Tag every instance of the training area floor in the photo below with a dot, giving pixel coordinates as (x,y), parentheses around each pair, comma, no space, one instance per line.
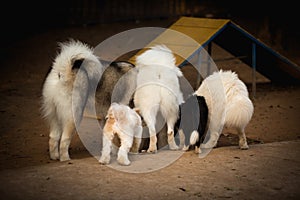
(270,169)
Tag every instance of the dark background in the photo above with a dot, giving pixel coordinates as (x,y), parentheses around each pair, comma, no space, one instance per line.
(274,22)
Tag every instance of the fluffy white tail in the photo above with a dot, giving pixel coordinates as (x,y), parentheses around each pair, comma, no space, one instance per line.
(72,55)
(194,137)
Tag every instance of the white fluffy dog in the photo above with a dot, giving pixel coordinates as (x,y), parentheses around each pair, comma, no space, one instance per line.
(124,122)
(65,92)
(228,104)
(158,90)
(72,85)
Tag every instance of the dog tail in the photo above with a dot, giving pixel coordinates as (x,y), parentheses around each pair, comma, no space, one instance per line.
(194,137)
(74,54)
(157,55)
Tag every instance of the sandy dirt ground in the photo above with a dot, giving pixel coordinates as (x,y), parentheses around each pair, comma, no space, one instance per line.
(272,133)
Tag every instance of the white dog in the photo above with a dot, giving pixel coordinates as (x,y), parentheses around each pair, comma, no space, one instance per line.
(228,104)
(158,90)
(69,88)
(124,122)
(65,93)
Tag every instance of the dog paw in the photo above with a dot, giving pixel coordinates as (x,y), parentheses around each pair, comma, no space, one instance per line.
(134,151)
(123,161)
(197,150)
(185,148)
(64,158)
(54,156)
(244,147)
(152,149)
(173,147)
(104,160)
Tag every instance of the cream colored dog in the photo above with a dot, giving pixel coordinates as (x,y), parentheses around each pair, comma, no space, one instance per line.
(124,122)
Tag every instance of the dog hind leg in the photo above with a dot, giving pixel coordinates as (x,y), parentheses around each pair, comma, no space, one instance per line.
(54,138)
(171,139)
(242,139)
(137,140)
(106,148)
(212,141)
(126,143)
(65,141)
(150,119)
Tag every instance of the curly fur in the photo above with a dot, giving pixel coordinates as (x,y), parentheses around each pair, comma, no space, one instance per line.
(124,122)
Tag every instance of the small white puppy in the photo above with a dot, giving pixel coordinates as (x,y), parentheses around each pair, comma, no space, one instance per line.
(124,122)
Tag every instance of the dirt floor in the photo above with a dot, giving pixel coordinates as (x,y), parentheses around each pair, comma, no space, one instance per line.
(24,136)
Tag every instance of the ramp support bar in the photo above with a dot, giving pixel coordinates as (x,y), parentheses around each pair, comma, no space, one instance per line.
(209,58)
(208,66)
(253,70)
(199,79)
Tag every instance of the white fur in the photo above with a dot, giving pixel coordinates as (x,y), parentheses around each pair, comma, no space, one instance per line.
(158,90)
(229,105)
(65,93)
(127,125)
(194,137)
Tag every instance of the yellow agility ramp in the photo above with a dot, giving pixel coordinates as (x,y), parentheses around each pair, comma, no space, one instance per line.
(197,33)
(200,30)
